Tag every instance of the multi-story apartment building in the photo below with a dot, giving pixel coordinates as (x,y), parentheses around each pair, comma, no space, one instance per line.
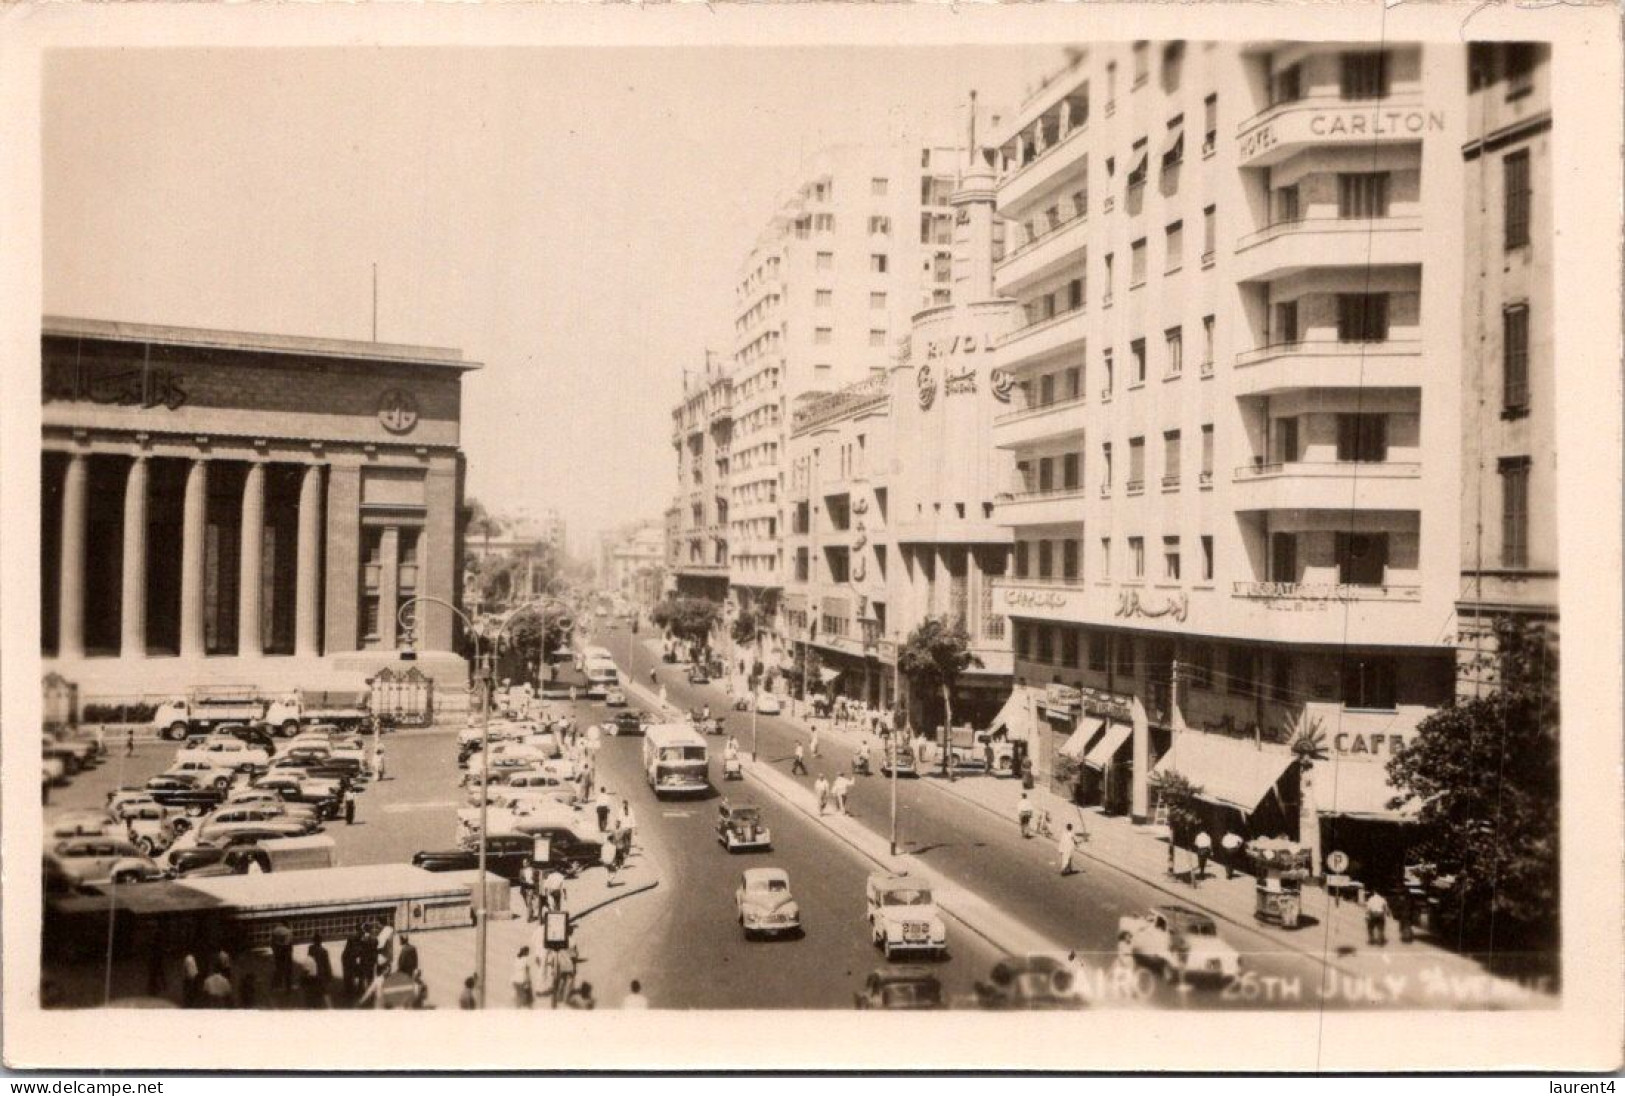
(824,293)
(1509,387)
(1240,277)
(702,430)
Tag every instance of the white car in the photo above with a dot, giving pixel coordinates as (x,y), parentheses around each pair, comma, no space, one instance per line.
(765,905)
(227,753)
(203,771)
(614,698)
(767,704)
(903,916)
(1181,943)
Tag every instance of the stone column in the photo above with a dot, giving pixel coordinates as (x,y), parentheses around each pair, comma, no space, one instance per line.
(133,575)
(194,517)
(308,580)
(250,579)
(389,582)
(1140,778)
(71,577)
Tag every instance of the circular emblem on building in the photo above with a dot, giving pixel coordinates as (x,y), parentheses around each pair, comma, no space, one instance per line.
(1003,382)
(928,387)
(398,410)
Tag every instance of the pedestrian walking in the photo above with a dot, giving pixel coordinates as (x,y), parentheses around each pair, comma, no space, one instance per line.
(1024,815)
(349,807)
(379,763)
(407,960)
(129,742)
(603,804)
(527,889)
(350,961)
(1204,850)
(468,998)
(1376,919)
(799,764)
(386,948)
(840,789)
(563,965)
(282,956)
(635,998)
(1231,844)
(522,992)
(317,953)
(821,790)
(553,892)
(814,745)
(609,854)
(629,824)
(1067,845)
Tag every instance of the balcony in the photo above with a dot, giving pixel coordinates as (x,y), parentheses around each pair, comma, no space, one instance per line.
(1290,366)
(1019,188)
(723,411)
(1324,591)
(1280,131)
(1042,256)
(1329,485)
(1042,422)
(1062,332)
(1288,247)
(1057,504)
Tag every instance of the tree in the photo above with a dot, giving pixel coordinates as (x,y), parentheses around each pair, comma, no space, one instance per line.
(690,618)
(1179,796)
(747,630)
(1485,771)
(537,634)
(935,654)
(1308,745)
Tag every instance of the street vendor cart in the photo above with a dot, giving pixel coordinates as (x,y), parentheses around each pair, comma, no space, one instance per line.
(1280,866)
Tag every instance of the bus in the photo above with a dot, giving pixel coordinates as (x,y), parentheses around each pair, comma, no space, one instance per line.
(675,760)
(602,673)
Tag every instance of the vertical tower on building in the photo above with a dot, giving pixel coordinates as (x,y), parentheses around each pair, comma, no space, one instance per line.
(702,436)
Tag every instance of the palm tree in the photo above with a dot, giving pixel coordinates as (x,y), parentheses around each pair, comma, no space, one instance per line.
(1308,745)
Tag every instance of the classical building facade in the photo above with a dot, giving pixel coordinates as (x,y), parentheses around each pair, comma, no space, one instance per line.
(702,437)
(1509,380)
(1238,432)
(223,507)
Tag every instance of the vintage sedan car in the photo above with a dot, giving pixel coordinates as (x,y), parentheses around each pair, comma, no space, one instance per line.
(768,704)
(614,698)
(210,860)
(1030,982)
(80,823)
(630,722)
(257,736)
(322,769)
(740,826)
(697,675)
(251,819)
(205,772)
(90,860)
(765,904)
(271,801)
(1180,943)
(323,795)
(227,752)
(902,760)
(187,791)
(506,854)
(153,828)
(905,988)
(903,916)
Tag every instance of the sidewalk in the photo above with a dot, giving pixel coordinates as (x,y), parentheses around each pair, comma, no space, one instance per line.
(1333,932)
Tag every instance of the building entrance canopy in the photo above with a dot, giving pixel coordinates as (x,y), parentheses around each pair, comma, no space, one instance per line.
(1016,718)
(1101,755)
(1232,772)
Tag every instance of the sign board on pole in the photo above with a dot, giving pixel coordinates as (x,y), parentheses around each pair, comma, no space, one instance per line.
(542,851)
(1337,862)
(556,929)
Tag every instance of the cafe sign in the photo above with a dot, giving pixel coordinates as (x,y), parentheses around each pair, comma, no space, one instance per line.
(1362,745)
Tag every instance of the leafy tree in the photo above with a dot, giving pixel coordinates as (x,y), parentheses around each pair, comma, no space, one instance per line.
(1176,792)
(690,618)
(935,654)
(1485,771)
(1308,745)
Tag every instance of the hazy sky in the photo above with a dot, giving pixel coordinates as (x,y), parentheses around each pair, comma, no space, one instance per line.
(572,218)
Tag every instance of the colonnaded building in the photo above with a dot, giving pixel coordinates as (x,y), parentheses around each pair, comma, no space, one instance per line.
(226,508)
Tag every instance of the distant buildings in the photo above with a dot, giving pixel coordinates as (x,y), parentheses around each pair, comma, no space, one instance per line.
(631,562)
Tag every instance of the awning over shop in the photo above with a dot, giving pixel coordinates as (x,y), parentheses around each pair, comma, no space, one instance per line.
(1232,772)
(1075,746)
(1106,749)
(1358,789)
(1016,717)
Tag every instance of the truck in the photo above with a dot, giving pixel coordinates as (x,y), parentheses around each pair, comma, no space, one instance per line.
(202,710)
(289,712)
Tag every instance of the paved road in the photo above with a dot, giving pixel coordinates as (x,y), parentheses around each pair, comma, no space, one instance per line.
(977,850)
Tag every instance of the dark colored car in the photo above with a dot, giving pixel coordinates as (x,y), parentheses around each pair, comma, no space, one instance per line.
(630,722)
(505,855)
(184,791)
(291,789)
(206,860)
(339,769)
(257,735)
(903,988)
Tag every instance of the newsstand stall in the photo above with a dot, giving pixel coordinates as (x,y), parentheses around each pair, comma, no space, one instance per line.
(1280,867)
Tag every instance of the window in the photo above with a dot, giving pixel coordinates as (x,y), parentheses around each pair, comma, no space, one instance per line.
(1199,665)
(1175,241)
(877,187)
(1046,559)
(1136,350)
(1070,467)
(1361,558)
(1174,346)
(1097,652)
(1520,59)
(823,222)
(1207,344)
(1105,558)
(1171,458)
(1365,75)
(880,226)
(1286,85)
(1106,298)
(1515,182)
(877,300)
(1515,359)
(1210,124)
(1073,378)
(1207,559)
(823,335)
(1046,473)
(877,336)
(1514,511)
(1111,87)
(1106,393)
(1239,671)
(877,263)
(1136,263)
(1362,317)
(1136,464)
(1287,209)
(1125,655)
(1142,62)
(1069,647)
(1369,683)
(1074,294)
(1362,437)
(803,226)
(825,260)
(1170,558)
(1106,467)
(1138,159)
(1023,640)
(1362,195)
(1046,643)
(1210,233)
(1046,390)
(1173,62)
(824,298)
(1021,559)
(1207,452)
(1069,559)
(1173,149)
(1286,440)
(1283,560)
(1286,323)
(941,296)
(1280,683)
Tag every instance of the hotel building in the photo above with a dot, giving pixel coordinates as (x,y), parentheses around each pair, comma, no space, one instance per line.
(225,508)
(1509,382)
(1237,431)
(823,295)
(702,436)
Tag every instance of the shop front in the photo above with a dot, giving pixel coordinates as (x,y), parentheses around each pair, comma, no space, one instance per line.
(1246,783)
(1088,735)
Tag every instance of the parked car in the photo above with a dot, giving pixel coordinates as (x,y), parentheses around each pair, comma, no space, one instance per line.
(765,905)
(1030,982)
(614,698)
(153,828)
(209,860)
(255,819)
(269,800)
(905,988)
(1180,943)
(767,704)
(226,752)
(204,772)
(903,916)
(324,795)
(82,823)
(740,826)
(697,675)
(187,790)
(630,722)
(506,854)
(258,736)
(91,860)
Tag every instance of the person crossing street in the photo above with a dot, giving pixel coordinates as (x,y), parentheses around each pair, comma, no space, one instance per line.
(1024,815)
(799,764)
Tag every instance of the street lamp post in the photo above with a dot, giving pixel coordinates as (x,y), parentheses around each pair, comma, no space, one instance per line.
(897,700)
(481,913)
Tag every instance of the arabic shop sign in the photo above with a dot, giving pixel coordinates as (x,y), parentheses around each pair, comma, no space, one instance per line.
(1299,125)
(960,381)
(144,386)
(1130,603)
(1034,599)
